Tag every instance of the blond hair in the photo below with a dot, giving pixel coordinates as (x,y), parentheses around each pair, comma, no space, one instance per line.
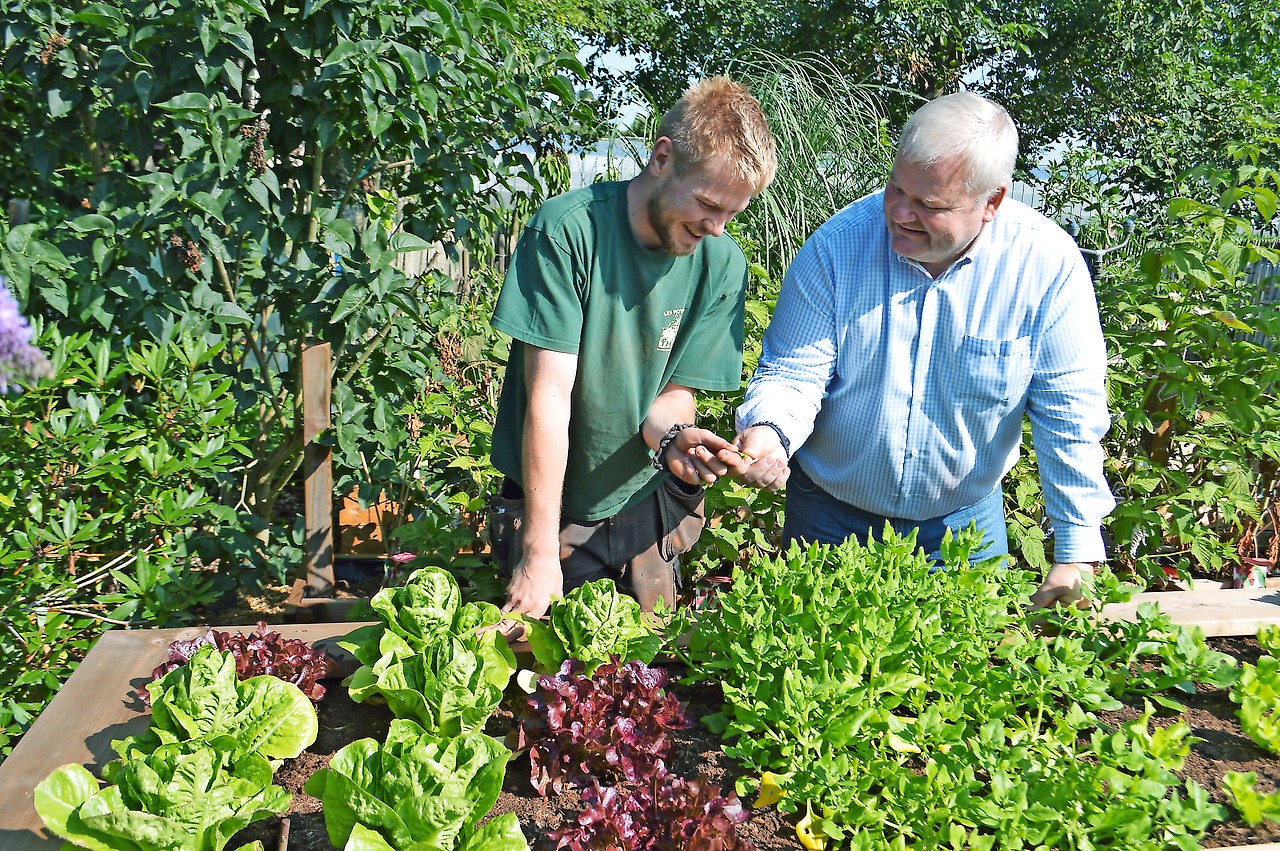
(718,117)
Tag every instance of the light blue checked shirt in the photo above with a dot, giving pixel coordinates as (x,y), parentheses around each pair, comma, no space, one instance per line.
(904,395)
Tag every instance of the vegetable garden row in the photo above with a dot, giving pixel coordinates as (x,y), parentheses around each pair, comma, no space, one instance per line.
(874,703)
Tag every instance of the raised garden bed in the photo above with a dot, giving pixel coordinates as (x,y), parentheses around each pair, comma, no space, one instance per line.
(98,705)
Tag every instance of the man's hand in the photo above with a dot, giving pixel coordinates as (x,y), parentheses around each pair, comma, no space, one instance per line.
(533,584)
(696,456)
(1062,586)
(761,459)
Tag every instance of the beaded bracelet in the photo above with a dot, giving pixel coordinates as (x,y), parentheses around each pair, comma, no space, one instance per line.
(659,459)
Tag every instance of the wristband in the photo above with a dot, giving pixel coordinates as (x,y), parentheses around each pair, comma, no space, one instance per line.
(659,459)
(782,438)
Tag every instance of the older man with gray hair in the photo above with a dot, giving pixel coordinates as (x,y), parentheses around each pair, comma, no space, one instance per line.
(913,332)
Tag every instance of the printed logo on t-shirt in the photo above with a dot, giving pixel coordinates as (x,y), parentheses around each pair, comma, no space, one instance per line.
(668,338)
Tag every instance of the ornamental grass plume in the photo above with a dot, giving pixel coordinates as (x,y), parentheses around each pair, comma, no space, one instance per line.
(20,362)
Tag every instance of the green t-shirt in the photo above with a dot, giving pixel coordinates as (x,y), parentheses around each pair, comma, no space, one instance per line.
(579,282)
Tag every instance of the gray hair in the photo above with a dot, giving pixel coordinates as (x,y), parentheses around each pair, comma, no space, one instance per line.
(968,125)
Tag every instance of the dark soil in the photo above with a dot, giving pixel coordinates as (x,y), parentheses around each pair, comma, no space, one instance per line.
(1221,746)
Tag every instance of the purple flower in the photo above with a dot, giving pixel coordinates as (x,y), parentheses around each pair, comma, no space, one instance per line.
(20,362)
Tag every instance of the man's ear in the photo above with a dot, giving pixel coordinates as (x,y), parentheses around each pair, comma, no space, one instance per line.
(993,202)
(662,158)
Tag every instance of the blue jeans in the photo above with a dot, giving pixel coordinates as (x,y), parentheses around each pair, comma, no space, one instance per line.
(813,515)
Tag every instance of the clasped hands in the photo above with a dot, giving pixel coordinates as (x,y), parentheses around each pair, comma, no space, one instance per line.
(754,457)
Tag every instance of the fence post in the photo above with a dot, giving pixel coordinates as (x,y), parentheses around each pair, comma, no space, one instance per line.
(18,211)
(318,468)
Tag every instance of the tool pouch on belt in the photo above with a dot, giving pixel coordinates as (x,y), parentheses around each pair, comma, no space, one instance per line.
(656,572)
(682,517)
(506,515)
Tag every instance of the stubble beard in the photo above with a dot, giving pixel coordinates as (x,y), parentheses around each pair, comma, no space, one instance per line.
(664,225)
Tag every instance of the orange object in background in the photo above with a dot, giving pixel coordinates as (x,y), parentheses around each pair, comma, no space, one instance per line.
(360,529)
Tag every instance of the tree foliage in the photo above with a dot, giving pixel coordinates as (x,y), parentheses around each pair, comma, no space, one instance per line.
(265,166)
(1156,87)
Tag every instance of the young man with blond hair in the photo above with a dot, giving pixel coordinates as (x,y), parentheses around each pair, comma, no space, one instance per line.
(622,300)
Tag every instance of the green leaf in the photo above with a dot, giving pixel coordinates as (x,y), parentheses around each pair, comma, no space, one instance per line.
(343,53)
(230,313)
(402,242)
(194,103)
(99,15)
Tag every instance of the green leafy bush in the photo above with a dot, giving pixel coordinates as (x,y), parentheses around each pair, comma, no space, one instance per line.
(111,477)
(1192,454)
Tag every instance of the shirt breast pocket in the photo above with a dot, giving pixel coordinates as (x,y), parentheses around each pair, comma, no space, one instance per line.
(994,371)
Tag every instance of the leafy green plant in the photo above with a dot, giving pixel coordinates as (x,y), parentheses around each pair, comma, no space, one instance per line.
(593,623)
(424,612)
(898,704)
(204,700)
(181,797)
(446,687)
(417,789)
(1189,449)
(1254,807)
(1124,651)
(1258,693)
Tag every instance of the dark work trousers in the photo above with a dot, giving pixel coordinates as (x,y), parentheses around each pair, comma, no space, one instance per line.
(638,548)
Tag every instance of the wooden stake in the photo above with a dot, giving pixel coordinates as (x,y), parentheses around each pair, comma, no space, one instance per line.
(318,465)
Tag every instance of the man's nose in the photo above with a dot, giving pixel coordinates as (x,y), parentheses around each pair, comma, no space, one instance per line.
(715,223)
(900,211)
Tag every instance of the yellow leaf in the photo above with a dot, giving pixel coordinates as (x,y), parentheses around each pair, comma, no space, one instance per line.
(804,831)
(770,791)
(901,745)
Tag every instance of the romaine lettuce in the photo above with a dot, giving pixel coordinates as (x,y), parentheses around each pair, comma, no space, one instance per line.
(446,687)
(592,623)
(416,791)
(203,700)
(426,611)
(180,797)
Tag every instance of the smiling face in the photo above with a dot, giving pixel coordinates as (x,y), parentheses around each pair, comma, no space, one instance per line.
(932,216)
(672,212)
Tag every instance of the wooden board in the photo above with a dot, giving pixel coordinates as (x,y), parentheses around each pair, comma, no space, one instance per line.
(96,706)
(317,467)
(1217,611)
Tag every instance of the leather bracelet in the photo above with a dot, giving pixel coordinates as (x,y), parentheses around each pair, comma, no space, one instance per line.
(782,438)
(659,459)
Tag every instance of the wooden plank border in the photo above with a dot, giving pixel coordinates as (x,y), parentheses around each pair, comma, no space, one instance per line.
(317,486)
(1218,611)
